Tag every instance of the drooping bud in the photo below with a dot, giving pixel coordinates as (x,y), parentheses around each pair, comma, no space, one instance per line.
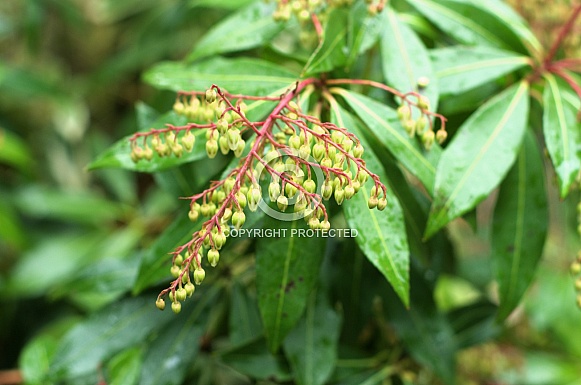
(211,148)
(240,148)
(238,219)
(211,95)
(160,303)
(404,112)
(339,195)
(176,307)
(233,138)
(327,189)
(199,275)
(273,191)
(349,191)
(190,288)
(372,202)
(241,198)
(441,136)
(381,203)
(428,139)
(254,197)
(213,257)
(282,202)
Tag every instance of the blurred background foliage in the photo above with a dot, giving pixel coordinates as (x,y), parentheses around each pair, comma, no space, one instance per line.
(70,241)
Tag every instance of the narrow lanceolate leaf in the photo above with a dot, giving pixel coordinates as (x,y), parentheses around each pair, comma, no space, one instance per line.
(363,32)
(311,346)
(460,68)
(562,133)
(170,354)
(331,52)
(479,23)
(384,124)
(381,234)
(404,59)
(241,75)
(479,156)
(248,28)
(287,268)
(87,345)
(519,226)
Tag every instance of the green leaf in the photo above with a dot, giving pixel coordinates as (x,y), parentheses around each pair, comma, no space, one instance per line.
(125,367)
(254,360)
(384,123)
(14,151)
(381,235)
(460,69)
(119,326)
(474,324)
(404,59)
(286,271)
(363,31)
(479,156)
(155,262)
(562,133)
(78,207)
(244,320)
(426,332)
(170,355)
(248,28)
(331,52)
(240,75)
(311,347)
(519,226)
(34,361)
(476,23)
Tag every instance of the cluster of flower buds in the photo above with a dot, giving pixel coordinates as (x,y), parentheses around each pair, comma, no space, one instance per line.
(421,126)
(163,142)
(303,161)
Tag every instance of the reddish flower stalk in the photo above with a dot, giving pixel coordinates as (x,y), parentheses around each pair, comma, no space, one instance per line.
(311,148)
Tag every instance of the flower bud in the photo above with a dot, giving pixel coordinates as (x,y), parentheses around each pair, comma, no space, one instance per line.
(327,189)
(213,257)
(423,103)
(358,151)
(294,142)
(290,190)
(325,225)
(176,307)
(177,149)
(222,126)
(190,288)
(175,271)
(304,151)
(178,107)
(441,136)
(372,202)
(381,203)
(339,195)
(160,303)
(428,139)
(326,162)
(181,294)
(211,95)
(241,198)
(273,191)
(410,127)
(310,185)
(233,138)
(337,136)
(404,112)
(219,240)
(349,191)
(211,148)
(254,197)
(318,151)
(282,202)
(199,275)
(205,209)
(229,185)
(238,219)
(240,148)
(421,124)
(188,141)
(314,223)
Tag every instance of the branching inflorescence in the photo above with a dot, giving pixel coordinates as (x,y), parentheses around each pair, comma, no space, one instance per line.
(302,160)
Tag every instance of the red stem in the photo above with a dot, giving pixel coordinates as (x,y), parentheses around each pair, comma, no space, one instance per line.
(562,35)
